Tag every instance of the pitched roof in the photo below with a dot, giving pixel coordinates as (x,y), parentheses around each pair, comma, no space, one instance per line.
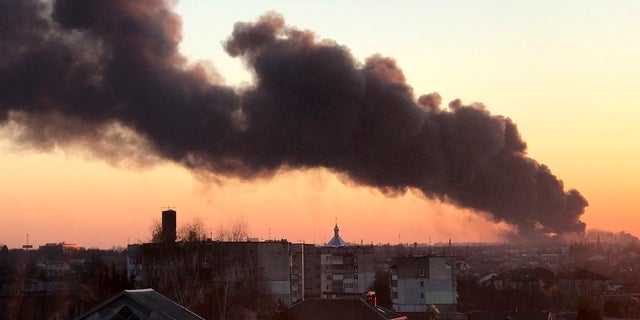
(139,304)
(321,309)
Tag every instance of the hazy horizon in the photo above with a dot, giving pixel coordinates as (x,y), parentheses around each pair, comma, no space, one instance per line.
(564,73)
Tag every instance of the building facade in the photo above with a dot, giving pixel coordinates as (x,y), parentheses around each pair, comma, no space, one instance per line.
(213,268)
(419,282)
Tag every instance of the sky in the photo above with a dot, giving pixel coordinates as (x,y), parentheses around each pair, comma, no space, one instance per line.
(565,72)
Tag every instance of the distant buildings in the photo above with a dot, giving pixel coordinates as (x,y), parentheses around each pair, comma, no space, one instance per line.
(57,250)
(253,278)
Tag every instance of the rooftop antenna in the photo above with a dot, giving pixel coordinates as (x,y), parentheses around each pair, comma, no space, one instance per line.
(27,246)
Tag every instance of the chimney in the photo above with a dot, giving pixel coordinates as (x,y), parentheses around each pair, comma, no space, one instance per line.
(168,226)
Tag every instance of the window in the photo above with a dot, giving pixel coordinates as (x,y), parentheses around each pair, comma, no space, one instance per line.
(394,295)
(422,272)
(394,283)
(355,268)
(329,277)
(422,295)
(355,277)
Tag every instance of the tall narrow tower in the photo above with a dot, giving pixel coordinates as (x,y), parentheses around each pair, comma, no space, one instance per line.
(169,226)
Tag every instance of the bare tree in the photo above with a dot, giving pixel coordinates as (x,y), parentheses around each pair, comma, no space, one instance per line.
(156,231)
(235,230)
(192,231)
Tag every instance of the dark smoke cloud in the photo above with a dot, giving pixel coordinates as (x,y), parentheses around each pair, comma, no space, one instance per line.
(76,70)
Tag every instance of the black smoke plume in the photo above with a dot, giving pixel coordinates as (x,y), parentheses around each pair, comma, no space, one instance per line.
(108,73)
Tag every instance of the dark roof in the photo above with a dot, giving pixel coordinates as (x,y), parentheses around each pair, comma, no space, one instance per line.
(527,315)
(321,309)
(531,274)
(143,303)
(581,274)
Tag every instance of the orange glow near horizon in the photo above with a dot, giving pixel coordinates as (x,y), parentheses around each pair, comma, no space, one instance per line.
(102,206)
(90,203)
(567,76)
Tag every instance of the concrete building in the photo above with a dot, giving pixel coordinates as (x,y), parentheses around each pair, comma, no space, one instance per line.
(334,271)
(331,272)
(263,265)
(211,270)
(284,271)
(419,282)
(305,272)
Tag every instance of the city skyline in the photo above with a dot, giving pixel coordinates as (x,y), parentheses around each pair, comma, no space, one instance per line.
(564,73)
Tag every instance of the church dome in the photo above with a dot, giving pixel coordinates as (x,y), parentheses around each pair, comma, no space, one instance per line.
(336,241)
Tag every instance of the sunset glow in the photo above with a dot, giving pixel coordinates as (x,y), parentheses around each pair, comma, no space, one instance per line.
(565,73)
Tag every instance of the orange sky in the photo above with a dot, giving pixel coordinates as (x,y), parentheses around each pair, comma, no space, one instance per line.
(90,203)
(566,74)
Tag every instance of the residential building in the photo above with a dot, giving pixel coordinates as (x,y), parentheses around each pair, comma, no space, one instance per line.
(345,271)
(334,271)
(418,282)
(265,266)
(579,283)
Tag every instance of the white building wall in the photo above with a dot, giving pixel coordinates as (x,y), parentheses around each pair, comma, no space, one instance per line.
(440,288)
(415,293)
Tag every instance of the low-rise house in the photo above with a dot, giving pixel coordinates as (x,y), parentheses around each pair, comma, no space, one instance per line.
(144,304)
(523,279)
(578,283)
